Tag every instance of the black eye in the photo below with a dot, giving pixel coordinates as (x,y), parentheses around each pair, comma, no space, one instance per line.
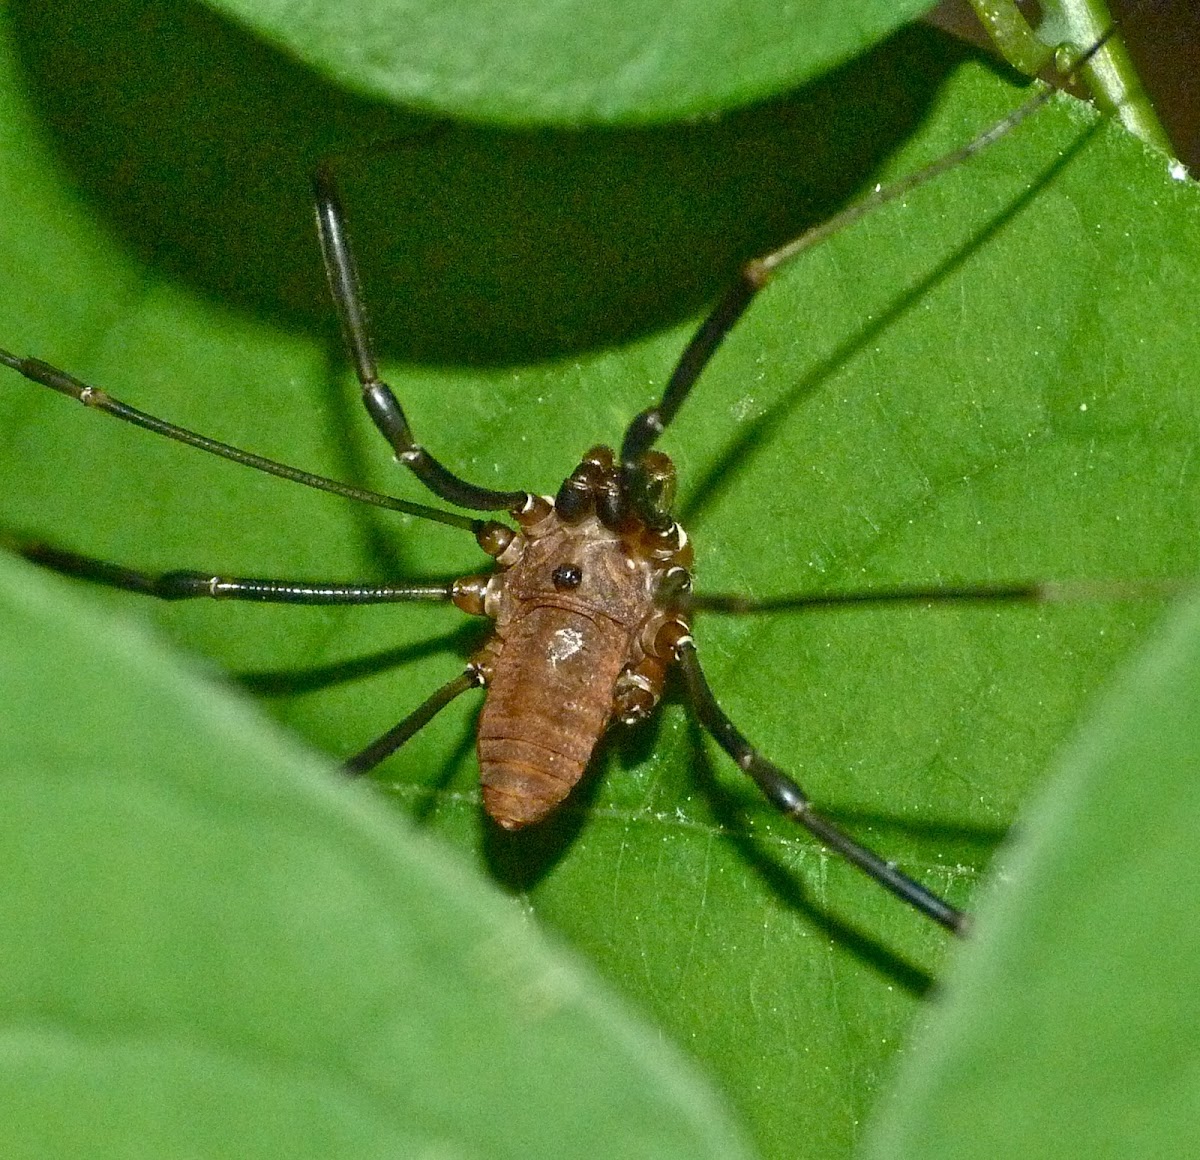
(567,576)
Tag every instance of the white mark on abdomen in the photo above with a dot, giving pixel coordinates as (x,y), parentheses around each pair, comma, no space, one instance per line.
(565,643)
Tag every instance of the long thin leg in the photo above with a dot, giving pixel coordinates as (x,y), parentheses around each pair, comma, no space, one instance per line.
(386,745)
(646,427)
(46,375)
(191,585)
(783,793)
(381,404)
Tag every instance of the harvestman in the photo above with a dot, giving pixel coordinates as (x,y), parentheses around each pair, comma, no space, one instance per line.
(591,592)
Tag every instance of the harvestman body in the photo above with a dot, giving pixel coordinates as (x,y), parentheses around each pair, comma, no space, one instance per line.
(591,592)
(579,640)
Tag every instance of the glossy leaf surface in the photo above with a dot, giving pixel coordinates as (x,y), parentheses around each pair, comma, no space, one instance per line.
(989,382)
(1057,1037)
(212,948)
(572,62)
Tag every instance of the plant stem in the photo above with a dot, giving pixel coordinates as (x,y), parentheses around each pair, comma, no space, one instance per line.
(1068,27)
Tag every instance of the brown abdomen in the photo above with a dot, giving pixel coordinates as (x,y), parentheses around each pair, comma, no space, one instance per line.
(548,701)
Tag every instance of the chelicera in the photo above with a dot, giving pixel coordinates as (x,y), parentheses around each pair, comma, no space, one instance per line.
(590,594)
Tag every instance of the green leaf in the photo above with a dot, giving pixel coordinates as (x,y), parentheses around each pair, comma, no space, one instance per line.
(213,948)
(1060,1030)
(572,63)
(987,382)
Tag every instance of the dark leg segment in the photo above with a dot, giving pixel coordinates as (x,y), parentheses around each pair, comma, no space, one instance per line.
(646,427)
(756,273)
(789,798)
(382,405)
(382,748)
(190,585)
(46,375)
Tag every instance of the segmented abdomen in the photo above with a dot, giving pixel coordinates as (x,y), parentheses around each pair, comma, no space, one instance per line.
(548,702)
